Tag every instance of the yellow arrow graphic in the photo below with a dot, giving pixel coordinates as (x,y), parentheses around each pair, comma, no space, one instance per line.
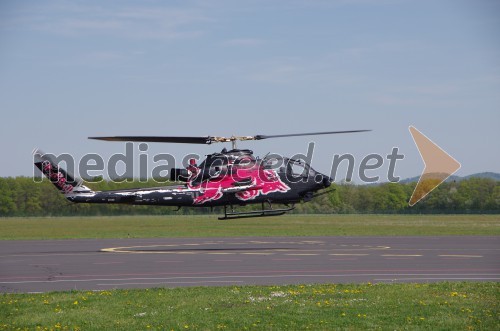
(439,165)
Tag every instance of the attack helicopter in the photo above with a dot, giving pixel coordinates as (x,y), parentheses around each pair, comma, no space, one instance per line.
(226,179)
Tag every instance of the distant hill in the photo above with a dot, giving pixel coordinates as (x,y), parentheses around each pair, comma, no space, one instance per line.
(490,175)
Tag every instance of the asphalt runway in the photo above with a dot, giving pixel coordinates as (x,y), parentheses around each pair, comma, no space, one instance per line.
(54,265)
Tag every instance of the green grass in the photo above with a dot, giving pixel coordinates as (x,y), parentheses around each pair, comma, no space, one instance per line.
(438,306)
(209,226)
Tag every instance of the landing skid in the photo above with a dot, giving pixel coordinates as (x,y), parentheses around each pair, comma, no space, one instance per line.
(257,213)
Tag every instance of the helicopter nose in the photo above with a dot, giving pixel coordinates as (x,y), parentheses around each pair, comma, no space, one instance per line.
(327,181)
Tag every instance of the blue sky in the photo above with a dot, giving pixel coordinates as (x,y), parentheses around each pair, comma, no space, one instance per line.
(73,69)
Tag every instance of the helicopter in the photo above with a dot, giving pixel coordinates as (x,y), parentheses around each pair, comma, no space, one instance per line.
(226,179)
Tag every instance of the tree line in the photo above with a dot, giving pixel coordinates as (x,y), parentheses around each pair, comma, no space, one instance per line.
(21,196)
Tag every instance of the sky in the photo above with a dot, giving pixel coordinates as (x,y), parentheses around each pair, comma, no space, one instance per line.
(74,69)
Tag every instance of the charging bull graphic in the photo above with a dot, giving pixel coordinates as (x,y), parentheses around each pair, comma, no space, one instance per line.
(247,183)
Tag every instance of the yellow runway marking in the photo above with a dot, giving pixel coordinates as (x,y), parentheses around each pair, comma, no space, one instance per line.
(201,248)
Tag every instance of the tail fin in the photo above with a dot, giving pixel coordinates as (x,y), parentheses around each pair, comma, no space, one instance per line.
(62,180)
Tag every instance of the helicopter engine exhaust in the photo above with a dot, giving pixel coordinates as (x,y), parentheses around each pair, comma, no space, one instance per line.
(179,175)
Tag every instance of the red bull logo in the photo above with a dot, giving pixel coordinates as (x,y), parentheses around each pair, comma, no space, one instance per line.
(253,180)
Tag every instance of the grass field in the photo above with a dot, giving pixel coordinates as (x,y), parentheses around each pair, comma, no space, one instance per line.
(440,306)
(209,226)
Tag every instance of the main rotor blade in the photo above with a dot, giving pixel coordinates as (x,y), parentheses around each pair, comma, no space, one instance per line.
(262,136)
(157,139)
(209,140)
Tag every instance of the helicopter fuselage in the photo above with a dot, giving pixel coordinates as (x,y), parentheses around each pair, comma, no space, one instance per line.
(226,178)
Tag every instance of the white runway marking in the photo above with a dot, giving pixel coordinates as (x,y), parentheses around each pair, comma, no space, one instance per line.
(457,255)
(401,255)
(349,254)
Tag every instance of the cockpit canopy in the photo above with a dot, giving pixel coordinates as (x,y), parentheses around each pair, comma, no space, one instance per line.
(292,167)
